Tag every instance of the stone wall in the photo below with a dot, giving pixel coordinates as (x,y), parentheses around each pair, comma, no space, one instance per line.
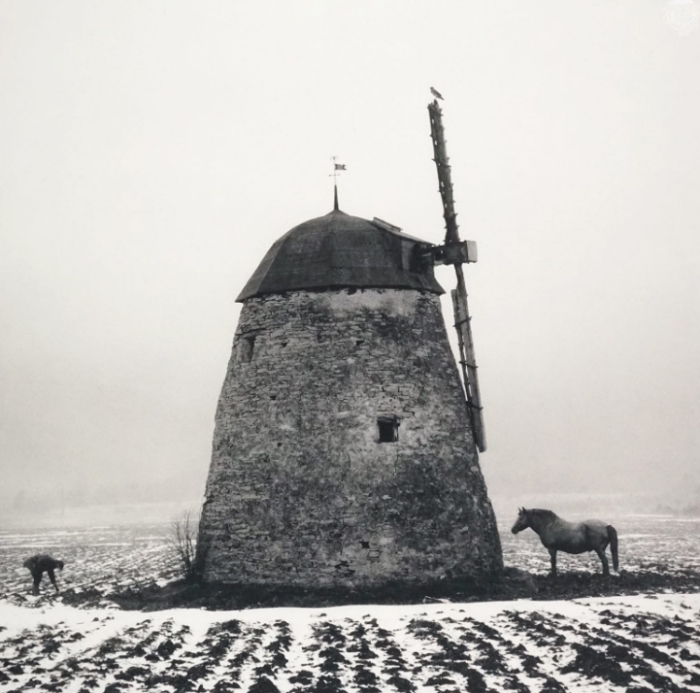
(301,490)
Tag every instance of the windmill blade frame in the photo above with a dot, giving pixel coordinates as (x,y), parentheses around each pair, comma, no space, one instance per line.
(456,253)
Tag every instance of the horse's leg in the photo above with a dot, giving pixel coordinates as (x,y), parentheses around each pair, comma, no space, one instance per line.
(603,560)
(612,535)
(52,577)
(553,556)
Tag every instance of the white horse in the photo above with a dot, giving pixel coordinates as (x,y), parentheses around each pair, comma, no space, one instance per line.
(572,537)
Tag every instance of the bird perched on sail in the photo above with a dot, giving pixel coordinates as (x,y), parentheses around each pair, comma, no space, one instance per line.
(436,93)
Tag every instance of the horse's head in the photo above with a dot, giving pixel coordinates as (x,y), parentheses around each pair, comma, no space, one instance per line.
(59,565)
(523,521)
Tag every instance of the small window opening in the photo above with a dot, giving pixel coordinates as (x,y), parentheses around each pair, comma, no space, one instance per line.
(247,346)
(388,429)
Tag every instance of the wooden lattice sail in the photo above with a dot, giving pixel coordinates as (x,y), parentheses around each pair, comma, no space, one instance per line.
(457,253)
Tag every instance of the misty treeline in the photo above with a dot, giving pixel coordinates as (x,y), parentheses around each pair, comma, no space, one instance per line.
(82,495)
(684,499)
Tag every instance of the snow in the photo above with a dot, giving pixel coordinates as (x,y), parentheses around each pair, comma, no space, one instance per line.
(403,626)
(583,644)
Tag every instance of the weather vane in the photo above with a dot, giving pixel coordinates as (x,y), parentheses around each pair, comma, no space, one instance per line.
(336,168)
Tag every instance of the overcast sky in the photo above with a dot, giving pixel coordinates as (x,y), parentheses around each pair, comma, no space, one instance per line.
(151,152)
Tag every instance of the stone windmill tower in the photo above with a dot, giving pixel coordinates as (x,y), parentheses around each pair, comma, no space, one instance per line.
(344,450)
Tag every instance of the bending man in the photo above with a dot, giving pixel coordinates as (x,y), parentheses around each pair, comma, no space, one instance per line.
(40,564)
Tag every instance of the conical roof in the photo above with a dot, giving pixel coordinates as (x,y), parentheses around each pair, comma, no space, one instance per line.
(339,250)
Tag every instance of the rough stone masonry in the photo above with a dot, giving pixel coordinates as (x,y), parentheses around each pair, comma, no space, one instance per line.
(342,451)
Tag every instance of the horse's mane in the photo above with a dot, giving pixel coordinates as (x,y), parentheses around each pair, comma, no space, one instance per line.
(544,514)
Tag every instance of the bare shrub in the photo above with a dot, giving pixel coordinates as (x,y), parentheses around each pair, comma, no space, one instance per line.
(183,543)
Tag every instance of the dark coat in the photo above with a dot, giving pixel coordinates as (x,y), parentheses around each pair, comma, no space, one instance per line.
(40,564)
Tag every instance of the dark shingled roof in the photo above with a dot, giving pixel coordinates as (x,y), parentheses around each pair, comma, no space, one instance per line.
(339,250)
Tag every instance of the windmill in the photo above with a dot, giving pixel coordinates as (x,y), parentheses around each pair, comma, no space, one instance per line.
(344,453)
(455,252)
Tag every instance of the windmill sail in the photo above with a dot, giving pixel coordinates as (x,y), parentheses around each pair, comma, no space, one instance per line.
(452,254)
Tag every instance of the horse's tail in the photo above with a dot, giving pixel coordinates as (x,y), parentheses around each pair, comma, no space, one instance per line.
(612,535)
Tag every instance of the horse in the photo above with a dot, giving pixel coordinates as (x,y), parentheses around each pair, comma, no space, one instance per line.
(557,534)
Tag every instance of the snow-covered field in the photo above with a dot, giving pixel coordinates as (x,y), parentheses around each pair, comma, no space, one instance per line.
(625,643)
(103,558)
(642,643)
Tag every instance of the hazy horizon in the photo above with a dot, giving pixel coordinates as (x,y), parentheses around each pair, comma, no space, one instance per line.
(151,152)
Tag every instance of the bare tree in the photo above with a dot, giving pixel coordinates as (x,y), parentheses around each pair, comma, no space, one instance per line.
(183,542)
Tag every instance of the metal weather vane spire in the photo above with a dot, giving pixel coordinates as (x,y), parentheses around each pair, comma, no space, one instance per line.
(336,169)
